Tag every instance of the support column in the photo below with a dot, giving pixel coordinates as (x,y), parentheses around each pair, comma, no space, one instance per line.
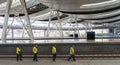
(71,20)
(57,24)
(77,30)
(91,25)
(12,35)
(23,3)
(48,29)
(4,32)
(9,27)
(45,33)
(73,26)
(86,29)
(103,32)
(60,26)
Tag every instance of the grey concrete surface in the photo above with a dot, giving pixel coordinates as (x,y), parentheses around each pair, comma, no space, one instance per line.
(60,62)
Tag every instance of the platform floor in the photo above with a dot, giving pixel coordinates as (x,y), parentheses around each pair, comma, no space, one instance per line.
(60,62)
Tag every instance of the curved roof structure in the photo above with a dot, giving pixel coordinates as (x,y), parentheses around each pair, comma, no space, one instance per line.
(58,15)
(97,11)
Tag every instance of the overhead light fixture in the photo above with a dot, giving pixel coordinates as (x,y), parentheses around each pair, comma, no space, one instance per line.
(97,4)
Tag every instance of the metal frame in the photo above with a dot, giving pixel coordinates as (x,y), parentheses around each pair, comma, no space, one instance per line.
(5,26)
(58,25)
(75,26)
(4,32)
(29,28)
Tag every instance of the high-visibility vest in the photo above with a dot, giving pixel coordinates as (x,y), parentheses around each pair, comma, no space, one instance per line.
(72,51)
(35,49)
(53,50)
(18,50)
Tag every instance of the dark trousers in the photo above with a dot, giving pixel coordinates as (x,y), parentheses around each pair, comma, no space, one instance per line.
(54,57)
(19,57)
(35,58)
(72,56)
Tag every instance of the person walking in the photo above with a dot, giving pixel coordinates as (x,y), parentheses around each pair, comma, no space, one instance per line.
(72,53)
(35,52)
(54,52)
(18,53)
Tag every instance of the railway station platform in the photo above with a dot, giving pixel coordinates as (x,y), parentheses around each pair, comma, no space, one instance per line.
(97,53)
(61,62)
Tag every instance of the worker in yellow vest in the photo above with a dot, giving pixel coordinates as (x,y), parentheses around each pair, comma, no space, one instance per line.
(72,53)
(35,52)
(54,52)
(18,53)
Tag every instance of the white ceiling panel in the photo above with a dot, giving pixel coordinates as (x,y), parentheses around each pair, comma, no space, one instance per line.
(68,4)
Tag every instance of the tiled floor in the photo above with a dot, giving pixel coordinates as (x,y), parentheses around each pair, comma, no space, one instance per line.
(60,62)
